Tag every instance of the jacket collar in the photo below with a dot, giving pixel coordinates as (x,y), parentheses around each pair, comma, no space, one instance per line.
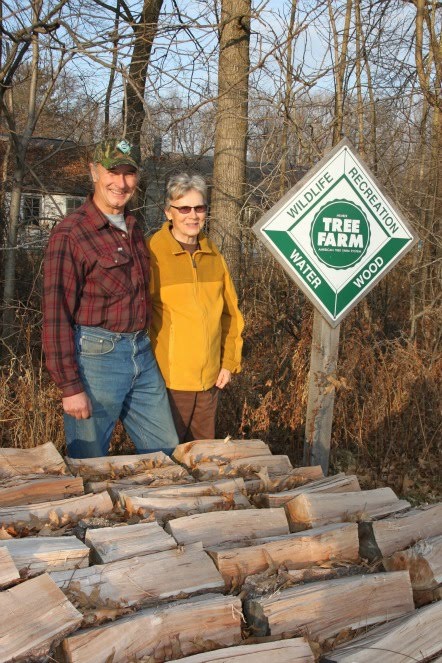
(176,248)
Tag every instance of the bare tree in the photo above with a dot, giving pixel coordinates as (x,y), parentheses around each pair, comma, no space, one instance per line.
(145,30)
(229,170)
(340,51)
(23,39)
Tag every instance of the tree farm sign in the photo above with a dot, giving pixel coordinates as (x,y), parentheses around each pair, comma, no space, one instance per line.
(336,233)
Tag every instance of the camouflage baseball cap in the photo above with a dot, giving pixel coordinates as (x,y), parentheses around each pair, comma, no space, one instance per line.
(116,152)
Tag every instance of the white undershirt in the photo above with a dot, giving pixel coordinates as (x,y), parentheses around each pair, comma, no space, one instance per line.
(118,221)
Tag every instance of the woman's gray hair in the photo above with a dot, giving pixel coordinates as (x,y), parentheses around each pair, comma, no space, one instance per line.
(180,184)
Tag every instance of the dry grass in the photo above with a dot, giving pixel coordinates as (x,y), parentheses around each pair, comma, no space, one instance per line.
(29,404)
(387,419)
(387,416)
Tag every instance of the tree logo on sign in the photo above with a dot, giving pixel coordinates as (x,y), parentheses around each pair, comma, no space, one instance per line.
(340,234)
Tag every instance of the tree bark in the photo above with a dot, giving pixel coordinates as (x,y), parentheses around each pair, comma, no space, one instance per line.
(229,172)
(426,15)
(287,104)
(110,84)
(145,32)
(340,57)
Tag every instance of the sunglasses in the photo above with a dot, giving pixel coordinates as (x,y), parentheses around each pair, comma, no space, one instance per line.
(186,209)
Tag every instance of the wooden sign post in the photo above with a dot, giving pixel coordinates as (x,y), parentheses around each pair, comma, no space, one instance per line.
(336,233)
(321,392)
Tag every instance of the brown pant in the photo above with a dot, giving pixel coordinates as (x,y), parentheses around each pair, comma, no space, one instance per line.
(194,413)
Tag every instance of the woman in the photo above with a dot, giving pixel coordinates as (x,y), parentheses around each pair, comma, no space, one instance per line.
(196,324)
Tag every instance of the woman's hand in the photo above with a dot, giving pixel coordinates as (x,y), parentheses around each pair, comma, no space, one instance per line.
(224,378)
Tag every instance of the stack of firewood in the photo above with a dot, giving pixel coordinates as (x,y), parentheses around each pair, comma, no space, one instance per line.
(223,553)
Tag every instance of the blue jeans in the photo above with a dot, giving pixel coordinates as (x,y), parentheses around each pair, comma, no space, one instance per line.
(123,381)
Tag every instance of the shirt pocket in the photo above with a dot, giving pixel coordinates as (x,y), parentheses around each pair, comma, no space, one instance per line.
(114,272)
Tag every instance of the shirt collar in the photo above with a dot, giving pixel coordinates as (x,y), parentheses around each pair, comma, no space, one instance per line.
(98,219)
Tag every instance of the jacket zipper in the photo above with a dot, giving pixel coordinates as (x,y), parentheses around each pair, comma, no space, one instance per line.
(195,285)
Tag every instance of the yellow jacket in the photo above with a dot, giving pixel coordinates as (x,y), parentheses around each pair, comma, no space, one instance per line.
(196,323)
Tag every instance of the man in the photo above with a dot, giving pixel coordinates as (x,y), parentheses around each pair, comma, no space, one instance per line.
(96,310)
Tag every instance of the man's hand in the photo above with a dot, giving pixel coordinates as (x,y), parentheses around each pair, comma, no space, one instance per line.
(224,378)
(78,406)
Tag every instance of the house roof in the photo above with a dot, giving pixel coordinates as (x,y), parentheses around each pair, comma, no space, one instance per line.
(55,166)
(58,166)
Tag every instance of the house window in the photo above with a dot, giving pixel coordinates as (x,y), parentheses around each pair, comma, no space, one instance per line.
(72,203)
(31,210)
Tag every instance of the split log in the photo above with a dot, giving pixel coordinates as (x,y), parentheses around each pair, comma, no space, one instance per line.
(8,571)
(216,528)
(167,503)
(159,476)
(144,580)
(69,510)
(381,539)
(44,459)
(34,555)
(294,551)
(36,616)
(167,508)
(424,563)
(425,596)
(221,487)
(220,452)
(23,490)
(340,483)
(178,629)
(315,573)
(321,609)
(253,466)
(296,477)
(112,467)
(269,582)
(415,637)
(316,509)
(295,650)
(110,544)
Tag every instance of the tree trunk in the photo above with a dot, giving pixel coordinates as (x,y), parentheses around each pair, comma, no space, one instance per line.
(11,254)
(360,101)
(110,84)
(287,104)
(229,172)
(145,33)
(21,147)
(340,58)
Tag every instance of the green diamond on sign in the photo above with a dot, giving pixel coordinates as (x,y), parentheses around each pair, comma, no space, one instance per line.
(336,233)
